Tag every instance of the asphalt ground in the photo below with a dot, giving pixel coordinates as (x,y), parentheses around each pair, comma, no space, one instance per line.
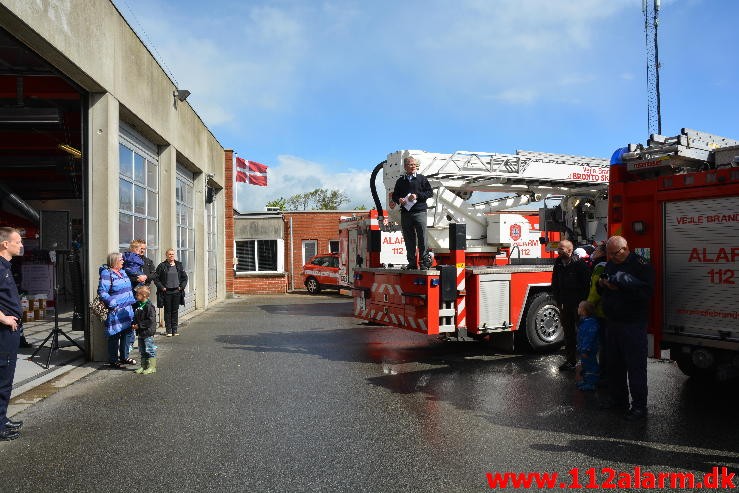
(292,394)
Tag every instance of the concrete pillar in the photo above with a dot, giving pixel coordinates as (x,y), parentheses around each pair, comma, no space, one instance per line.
(102,210)
(200,271)
(167,200)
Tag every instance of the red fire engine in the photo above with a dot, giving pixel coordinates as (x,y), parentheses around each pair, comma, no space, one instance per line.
(469,294)
(676,201)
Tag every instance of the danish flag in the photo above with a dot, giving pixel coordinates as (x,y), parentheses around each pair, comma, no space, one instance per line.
(251,172)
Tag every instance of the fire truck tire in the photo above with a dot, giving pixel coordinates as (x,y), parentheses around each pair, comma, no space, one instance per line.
(686,365)
(312,285)
(543,328)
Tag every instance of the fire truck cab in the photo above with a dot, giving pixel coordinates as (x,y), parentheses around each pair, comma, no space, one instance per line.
(676,201)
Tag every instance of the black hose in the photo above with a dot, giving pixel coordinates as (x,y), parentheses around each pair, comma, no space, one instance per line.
(373,188)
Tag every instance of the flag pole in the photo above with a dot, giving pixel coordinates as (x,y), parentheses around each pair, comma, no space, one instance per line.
(234,182)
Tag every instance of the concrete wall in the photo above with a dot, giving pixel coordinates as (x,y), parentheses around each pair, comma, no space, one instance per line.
(91,43)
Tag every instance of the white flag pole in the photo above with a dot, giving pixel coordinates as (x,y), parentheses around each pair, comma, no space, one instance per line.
(235,183)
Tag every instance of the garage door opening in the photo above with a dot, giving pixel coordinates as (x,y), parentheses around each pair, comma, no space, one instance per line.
(42,191)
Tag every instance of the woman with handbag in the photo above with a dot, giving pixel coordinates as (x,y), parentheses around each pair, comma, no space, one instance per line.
(170,278)
(115,292)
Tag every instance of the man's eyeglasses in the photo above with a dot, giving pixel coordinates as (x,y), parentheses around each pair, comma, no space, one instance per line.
(613,254)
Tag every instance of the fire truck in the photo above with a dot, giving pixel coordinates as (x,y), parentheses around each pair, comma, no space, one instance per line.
(676,201)
(469,294)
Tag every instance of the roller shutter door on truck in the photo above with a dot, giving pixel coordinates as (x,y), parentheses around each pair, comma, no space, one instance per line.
(700,281)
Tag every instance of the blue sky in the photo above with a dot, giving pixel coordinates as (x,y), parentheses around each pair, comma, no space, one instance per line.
(322,90)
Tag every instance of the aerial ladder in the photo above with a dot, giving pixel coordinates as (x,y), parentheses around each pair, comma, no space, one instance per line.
(578,183)
(469,294)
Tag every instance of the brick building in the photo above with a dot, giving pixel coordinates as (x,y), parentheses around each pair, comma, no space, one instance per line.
(267,250)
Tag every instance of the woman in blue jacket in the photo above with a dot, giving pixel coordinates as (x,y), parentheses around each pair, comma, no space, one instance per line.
(114,290)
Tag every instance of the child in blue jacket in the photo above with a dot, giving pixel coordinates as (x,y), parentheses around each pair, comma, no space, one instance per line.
(588,370)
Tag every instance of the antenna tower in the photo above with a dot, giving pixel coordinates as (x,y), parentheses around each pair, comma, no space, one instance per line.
(651,22)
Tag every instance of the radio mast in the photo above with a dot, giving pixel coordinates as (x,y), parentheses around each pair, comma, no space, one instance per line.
(651,22)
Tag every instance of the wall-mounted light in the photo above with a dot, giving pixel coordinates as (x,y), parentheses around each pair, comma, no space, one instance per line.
(181,94)
(70,150)
(639,227)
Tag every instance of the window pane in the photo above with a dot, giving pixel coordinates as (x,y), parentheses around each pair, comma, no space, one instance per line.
(125,160)
(139,228)
(139,200)
(153,254)
(139,169)
(267,259)
(152,239)
(151,204)
(125,195)
(333,246)
(245,255)
(152,175)
(125,228)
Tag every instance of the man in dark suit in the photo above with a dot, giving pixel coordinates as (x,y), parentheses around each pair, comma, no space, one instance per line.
(411,191)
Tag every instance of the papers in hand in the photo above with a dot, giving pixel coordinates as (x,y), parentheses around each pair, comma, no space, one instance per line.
(408,202)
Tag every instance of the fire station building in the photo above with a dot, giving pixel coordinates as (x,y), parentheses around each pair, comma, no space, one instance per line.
(98,146)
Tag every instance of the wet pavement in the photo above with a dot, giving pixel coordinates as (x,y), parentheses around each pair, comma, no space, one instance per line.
(290,393)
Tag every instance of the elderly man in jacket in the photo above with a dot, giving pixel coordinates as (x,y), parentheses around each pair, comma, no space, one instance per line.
(626,288)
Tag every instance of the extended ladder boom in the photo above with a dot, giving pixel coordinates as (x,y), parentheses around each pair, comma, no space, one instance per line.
(523,172)
(524,176)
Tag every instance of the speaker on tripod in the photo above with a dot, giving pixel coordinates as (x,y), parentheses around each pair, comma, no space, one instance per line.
(54,236)
(54,230)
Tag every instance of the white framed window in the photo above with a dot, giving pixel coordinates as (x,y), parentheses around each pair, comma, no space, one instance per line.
(310,249)
(259,255)
(185,214)
(333,246)
(138,192)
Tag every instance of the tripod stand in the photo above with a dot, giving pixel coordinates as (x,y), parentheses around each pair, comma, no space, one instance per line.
(54,334)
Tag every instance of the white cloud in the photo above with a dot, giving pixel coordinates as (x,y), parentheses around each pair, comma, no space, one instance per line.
(293,175)
(518,96)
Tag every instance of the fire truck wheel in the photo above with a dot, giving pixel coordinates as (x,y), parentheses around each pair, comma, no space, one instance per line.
(686,365)
(543,328)
(311,284)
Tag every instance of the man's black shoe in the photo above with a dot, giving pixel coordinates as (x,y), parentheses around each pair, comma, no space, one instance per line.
(636,414)
(25,344)
(14,425)
(567,366)
(8,434)
(411,267)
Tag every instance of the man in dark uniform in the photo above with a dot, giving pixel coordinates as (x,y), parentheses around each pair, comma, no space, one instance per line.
(570,283)
(626,287)
(10,321)
(411,191)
